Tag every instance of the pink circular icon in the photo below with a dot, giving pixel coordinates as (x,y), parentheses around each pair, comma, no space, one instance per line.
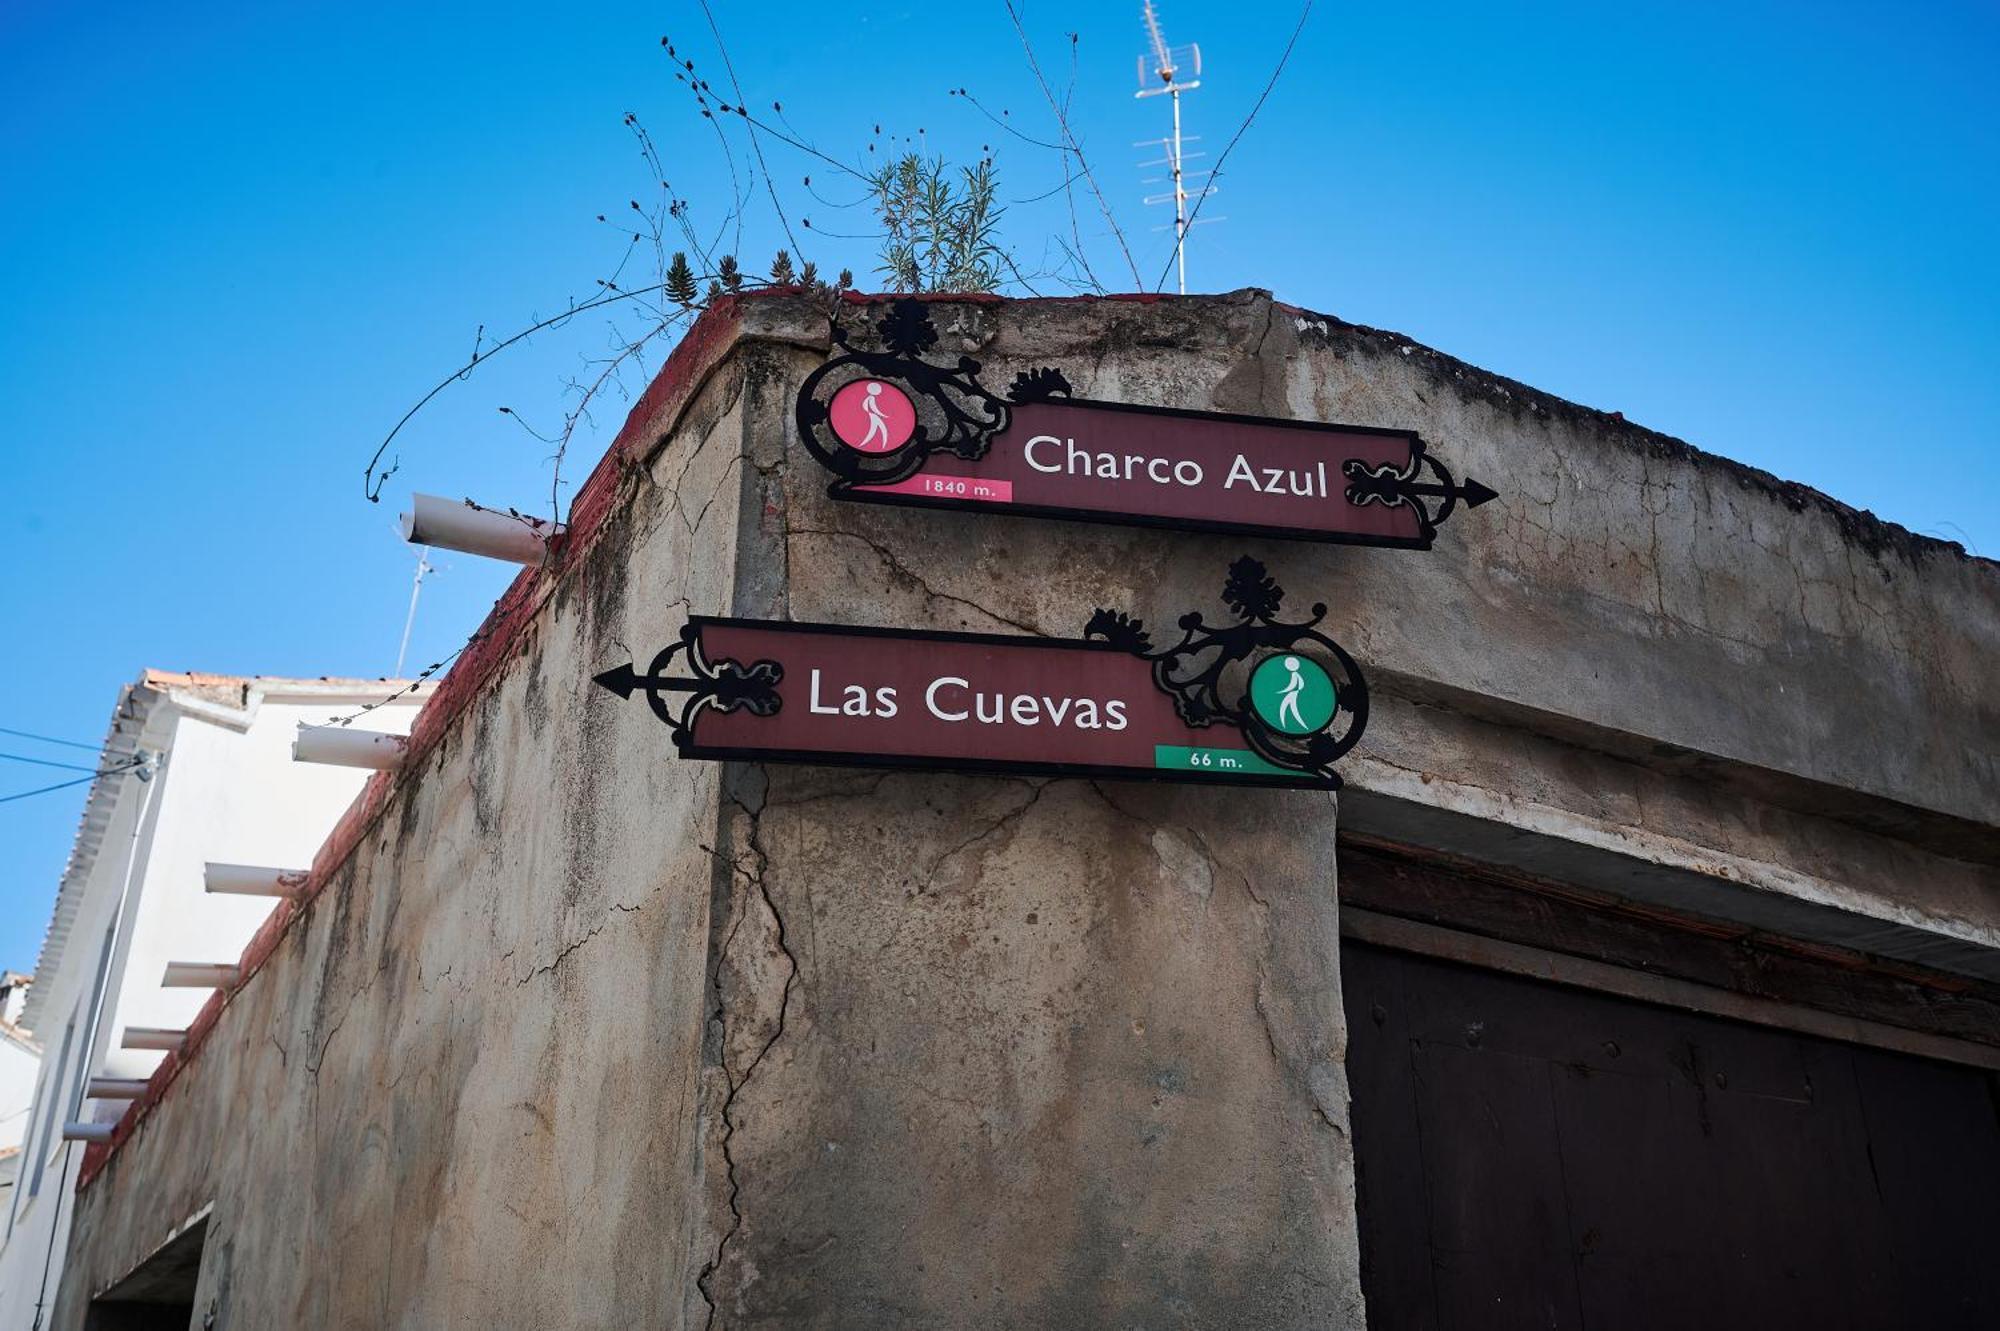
(871,416)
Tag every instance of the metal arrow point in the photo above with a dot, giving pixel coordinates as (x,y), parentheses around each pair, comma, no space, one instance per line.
(1472,492)
(1476,494)
(624,680)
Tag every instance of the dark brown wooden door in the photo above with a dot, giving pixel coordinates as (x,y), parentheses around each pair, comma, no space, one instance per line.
(1536,1156)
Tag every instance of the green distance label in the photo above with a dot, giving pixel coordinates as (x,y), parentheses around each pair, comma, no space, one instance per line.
(1181,758)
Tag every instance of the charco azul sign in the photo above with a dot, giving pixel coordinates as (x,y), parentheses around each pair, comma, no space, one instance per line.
(1261,701)
(895,428)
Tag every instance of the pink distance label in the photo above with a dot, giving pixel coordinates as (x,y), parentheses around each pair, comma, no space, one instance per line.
(978,489)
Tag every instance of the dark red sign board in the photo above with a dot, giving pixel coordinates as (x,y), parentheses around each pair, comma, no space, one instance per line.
(1261,698)
(848,695)
(896,426)
(1160,467)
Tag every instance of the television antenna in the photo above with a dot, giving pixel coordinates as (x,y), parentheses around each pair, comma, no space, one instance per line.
(1171,70)
(424,566)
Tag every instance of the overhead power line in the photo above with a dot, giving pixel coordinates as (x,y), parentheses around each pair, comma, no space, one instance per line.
(46,762)
(1284,58)
(50,739)
(65,785)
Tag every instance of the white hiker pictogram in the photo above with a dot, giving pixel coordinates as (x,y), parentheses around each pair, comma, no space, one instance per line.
(1288,704)
(877,422)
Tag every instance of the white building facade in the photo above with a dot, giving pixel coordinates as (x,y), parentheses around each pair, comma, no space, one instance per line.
(20,1067)
(199,770)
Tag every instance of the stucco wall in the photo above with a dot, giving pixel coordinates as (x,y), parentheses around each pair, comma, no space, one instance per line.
(462,1089)
(586,1036)
(1022,1053)
(1008,1053)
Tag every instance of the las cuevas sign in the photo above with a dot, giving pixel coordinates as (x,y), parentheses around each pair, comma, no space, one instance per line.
(1261,701)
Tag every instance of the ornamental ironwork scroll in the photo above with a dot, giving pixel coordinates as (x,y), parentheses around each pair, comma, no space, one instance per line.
(1394,487)
(934,408)
(1211,673)
(725,686)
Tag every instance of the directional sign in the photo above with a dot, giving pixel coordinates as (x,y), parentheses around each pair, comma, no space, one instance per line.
(895,428)
(1261,702)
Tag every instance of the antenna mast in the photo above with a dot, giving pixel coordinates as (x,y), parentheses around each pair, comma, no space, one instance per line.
(1162,70)
(424,566)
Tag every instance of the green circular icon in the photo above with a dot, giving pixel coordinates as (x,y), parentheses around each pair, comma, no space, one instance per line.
(1292,694)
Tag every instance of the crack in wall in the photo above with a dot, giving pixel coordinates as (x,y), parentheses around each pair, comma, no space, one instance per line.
(733,469)
(901,570)
(844,792)
(1253,385)
(570,949)
(991,830)
(735,1083)
(346,1009)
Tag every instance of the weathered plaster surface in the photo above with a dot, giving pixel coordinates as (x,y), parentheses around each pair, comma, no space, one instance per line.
(1021,1053)
(1001,1053)
(464,1090)
(1687,838)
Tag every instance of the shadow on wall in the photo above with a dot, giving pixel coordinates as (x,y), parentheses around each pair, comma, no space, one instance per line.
(159,1294)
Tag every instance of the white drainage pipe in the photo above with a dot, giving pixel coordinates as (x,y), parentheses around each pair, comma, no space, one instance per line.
(458,525)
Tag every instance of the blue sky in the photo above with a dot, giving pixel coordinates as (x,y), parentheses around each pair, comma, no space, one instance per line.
(237,241)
